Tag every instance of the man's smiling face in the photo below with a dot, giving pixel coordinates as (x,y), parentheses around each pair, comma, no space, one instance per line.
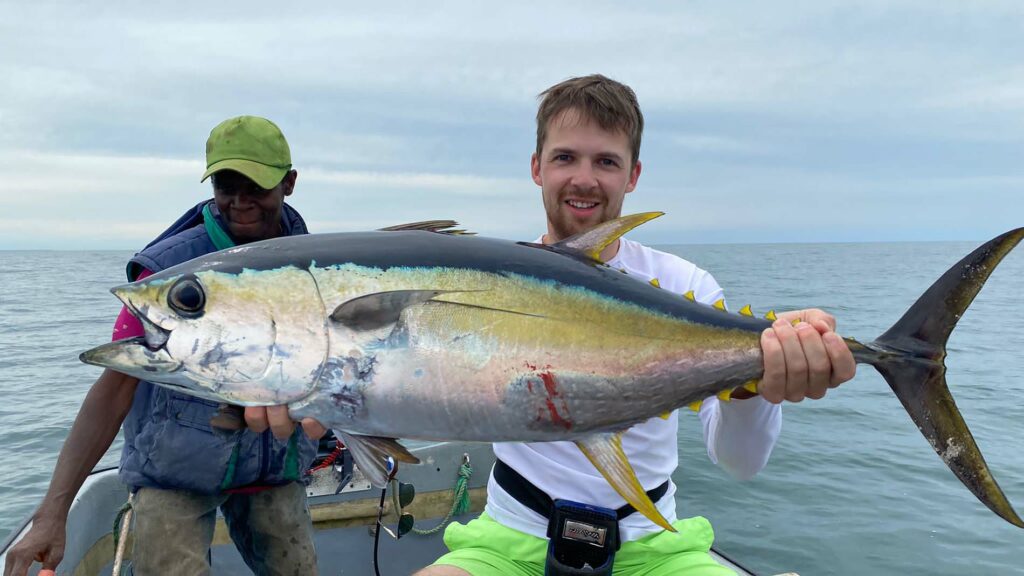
(252,213)
(584,172)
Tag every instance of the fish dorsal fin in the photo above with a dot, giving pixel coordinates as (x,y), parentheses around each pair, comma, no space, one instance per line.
(593,241)
(439,226)
(370,454)
(605,452)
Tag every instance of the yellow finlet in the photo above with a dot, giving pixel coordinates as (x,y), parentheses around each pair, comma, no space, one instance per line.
(746,311)
(771,316)
(751,386)
(593,241)
(725,395)
(605,452)
(655,283)
(665,415)
(719,304)
(689,296)
(695,406)
(795,321)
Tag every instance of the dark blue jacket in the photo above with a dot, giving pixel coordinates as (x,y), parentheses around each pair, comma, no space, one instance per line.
(168,442)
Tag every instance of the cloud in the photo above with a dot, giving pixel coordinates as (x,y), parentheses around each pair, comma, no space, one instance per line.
(97,200)
(1001,91)
(449,184)
(709,143)
(402,111)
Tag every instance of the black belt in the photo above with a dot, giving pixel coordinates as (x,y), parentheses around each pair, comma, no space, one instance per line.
(537,500)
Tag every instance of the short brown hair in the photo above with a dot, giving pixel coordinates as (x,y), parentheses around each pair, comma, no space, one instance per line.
(611,104)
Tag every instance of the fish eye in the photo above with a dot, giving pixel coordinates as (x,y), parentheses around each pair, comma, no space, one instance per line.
(187,297)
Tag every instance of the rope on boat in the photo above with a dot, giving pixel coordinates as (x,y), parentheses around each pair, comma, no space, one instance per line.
(460,498)
(329,459)
(122,522)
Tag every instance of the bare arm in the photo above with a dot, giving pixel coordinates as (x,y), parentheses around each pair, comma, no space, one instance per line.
(95,427)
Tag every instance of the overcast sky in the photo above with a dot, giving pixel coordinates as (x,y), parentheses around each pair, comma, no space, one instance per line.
(766,122)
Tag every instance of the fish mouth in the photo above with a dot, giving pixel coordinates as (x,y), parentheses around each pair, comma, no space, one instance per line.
(156,336)
(132,356)
(145,357)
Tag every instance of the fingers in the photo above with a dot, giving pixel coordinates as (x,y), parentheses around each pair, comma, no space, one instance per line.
(801,362)
(796,362)
(53,558)
(259,418)
(811,316)
(313,428)
(19,560)
(281,424)
(256,418)
(844,367)
(773,383)
(17,564)
(819,365)
(814,316)
(228,417)
(786,370)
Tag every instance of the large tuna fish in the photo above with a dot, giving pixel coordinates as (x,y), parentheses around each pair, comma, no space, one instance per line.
(412,333)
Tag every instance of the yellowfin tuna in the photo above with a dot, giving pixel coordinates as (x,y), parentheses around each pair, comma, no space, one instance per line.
(416,333)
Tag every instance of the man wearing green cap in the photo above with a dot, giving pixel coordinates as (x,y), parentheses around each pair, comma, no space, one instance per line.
(179,466)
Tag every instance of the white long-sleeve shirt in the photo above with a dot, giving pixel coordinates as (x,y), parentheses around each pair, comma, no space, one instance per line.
(739,435)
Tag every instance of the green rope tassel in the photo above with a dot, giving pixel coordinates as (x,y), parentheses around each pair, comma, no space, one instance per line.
(460,499)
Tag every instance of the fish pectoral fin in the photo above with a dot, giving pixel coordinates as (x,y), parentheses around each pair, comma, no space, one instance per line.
(605,452)
(391,447)
(382,309)
(438,226)
(379,309)
(370,454)
(593,241)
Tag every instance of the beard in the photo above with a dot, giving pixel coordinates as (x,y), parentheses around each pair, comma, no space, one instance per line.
(564,223)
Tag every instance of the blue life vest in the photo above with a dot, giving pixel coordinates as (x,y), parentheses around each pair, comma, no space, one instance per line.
(168,442)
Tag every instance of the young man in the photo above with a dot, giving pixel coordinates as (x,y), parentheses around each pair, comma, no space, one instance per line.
(587,160)
(179,469)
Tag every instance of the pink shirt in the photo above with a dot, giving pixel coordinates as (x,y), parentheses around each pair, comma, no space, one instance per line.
(127,325)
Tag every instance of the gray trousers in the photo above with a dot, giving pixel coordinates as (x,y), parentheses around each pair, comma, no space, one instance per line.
(271,529)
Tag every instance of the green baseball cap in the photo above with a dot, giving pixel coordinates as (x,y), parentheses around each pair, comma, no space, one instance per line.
(250,145)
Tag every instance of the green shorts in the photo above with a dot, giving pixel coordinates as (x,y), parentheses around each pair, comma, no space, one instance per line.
(483,547)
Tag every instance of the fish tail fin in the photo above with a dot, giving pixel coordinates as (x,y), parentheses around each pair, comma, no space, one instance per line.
(910,356)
